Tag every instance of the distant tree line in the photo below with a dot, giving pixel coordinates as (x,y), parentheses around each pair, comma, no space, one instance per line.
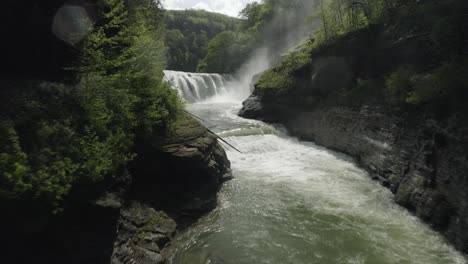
(188,34)
(267,23)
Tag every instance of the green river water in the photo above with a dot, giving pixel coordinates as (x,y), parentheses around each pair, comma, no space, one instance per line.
(294,202)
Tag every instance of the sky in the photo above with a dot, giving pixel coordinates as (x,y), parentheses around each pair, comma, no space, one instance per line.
(227,7)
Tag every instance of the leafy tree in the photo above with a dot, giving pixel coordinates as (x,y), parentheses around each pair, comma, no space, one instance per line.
(188,34)
(268,23)
(251,15)
(13,164)
(226,52)
(55,138)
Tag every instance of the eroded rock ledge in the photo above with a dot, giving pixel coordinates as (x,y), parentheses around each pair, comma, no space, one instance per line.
(423,161)
(173,181)
(179,173)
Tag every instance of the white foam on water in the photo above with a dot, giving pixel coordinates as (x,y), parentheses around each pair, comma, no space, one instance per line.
(295,202)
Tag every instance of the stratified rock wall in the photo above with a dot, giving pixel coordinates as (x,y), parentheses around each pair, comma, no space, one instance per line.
(142,234)
(182,171)
(423,161)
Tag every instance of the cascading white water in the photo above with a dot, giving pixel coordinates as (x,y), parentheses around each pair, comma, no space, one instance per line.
(196,87)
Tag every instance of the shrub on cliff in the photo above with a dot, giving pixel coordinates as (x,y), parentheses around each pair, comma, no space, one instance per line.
(13,163)
(440,90)
(44,148)
(399,83)
(340,17)
(447,83)
(282,77)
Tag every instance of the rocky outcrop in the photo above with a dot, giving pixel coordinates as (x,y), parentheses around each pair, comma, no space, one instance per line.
(423,161)
(180,172)
(174,178)
(142,233)
(340,99)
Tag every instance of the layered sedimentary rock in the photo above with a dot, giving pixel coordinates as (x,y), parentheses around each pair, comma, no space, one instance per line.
(181,171)
(423,161)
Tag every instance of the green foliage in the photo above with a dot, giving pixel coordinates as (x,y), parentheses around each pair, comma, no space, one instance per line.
(267,24)
(40,155)
(449,80)
(447,83)
(251,15)
(435,30)
(130,80)
(275,79)
(55,137)
(226,52)
(399,83)
(188,35)
(13,164)
(282,77)
(342,16)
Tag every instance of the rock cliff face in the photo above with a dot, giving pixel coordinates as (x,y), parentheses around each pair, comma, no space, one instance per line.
(142,234)
(120,220)
(179,173)
(424,162)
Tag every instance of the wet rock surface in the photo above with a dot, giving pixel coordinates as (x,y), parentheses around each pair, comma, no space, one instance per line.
(180,174)
(142,233)
(423,161)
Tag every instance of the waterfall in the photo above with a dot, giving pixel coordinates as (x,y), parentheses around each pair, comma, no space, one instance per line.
(196,87)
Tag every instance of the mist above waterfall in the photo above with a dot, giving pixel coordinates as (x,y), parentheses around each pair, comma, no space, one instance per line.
(285,25)
(290,25)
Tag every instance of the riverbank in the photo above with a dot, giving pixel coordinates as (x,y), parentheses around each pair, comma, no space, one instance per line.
(294,202)
(392,96)
(169,185)
(422,161)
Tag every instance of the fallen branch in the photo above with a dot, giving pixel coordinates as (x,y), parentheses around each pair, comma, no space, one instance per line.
(199,118)
(220,138)
(209,130)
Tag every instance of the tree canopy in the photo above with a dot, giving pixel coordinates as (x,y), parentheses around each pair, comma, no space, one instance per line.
(80,132)
(188,35)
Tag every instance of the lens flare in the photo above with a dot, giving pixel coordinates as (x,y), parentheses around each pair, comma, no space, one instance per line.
(72,24)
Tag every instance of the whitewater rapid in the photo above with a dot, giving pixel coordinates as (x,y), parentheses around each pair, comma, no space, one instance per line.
(295,202)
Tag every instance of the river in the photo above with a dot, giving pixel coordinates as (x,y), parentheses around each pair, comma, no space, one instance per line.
(295,202)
